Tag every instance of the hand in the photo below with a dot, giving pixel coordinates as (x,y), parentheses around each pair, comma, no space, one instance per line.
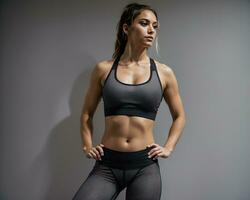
(158,151)
(95,152)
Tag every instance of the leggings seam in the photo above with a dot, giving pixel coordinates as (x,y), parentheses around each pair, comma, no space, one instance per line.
(138,173)
(119,186)
(134,176)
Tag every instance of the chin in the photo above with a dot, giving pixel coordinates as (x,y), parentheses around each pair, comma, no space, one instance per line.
(149,45)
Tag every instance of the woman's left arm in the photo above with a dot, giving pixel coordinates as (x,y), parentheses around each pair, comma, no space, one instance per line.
(173,99)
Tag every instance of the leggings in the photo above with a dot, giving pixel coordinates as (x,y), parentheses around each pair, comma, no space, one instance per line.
(117,170)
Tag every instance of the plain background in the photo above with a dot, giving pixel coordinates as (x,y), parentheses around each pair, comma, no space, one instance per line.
(48,50)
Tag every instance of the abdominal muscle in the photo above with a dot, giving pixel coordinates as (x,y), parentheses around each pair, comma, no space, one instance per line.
(127,133)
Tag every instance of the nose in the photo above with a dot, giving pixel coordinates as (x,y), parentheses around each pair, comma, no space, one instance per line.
(151,29)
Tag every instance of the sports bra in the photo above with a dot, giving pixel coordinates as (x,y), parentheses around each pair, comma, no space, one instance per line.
(141,99)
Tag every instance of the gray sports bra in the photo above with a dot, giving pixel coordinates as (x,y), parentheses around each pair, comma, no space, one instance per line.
(141,99)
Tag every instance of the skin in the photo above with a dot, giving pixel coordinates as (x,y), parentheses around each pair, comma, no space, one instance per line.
(132,133)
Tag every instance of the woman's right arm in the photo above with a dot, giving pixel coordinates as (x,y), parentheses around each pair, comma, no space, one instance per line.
(92,98)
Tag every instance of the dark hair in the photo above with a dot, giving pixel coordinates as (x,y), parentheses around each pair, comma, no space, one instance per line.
(130,12)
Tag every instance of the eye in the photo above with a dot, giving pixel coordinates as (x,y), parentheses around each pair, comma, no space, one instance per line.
(143,23)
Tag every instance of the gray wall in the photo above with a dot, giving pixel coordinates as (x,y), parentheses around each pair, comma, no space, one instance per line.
(48,50)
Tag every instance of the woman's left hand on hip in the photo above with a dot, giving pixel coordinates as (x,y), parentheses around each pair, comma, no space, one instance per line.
(158,151)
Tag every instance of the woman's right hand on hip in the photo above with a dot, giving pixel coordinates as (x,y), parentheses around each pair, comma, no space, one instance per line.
(95,152)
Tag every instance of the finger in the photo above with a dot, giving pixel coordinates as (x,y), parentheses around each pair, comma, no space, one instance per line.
(100,150)
(150,145)
(154,145)
(160,154)
(155,153)
(90,155)
(153,150)
(155,157)
(102,145)
(97,154)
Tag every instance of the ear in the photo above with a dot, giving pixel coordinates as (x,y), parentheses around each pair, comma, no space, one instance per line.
(125,28)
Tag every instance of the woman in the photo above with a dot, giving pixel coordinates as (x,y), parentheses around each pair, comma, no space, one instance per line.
(132,86)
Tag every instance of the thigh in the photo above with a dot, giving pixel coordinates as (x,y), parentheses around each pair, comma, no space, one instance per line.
(146,185)
(99,185)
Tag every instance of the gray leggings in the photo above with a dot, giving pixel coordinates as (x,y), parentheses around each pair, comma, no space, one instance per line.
(118,170)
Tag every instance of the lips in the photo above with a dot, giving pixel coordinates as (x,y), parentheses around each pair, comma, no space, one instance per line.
(149,37)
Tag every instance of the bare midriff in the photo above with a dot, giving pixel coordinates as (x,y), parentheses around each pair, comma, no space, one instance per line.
(127,133)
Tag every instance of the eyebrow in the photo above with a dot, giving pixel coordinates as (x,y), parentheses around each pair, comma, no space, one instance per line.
(147,20)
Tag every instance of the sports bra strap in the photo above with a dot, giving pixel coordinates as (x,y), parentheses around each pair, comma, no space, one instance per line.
(115,62)
(152,63)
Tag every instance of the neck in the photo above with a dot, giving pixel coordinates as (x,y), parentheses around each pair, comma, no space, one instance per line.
(134,54)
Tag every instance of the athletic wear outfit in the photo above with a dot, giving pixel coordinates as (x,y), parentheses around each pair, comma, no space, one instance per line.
(132,99)
(132,170)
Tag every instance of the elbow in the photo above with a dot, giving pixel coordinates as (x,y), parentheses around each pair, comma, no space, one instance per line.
(181,118)
(183,121)
(86,117)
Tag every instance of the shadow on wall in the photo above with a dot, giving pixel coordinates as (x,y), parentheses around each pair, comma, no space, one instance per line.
(64,163)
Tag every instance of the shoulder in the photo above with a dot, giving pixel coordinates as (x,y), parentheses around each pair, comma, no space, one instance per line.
(166,69)
(165,72)
(102,68)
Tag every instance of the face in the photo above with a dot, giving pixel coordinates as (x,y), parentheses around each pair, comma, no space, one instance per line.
(144,26)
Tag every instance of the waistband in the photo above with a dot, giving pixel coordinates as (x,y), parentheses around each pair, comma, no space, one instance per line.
(126,160)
